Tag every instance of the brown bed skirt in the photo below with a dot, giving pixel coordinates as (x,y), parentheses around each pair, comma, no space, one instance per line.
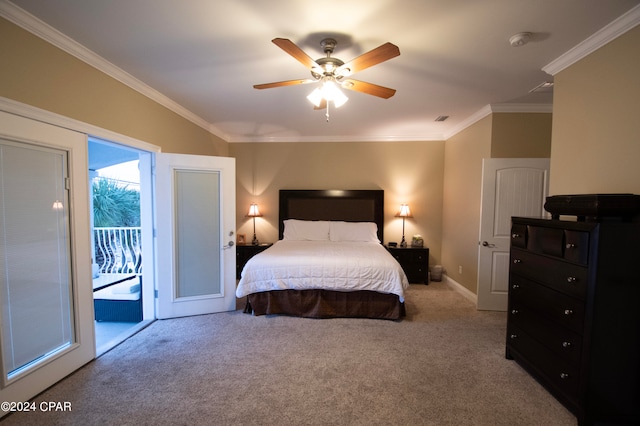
(326,304)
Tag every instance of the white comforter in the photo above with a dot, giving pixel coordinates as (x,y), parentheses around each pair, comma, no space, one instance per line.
(341,266)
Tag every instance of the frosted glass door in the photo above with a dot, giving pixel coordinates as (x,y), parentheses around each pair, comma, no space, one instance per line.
(197,195)
(195,223)
(35,256)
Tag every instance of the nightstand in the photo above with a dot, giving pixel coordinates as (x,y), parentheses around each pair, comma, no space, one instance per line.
(244,252)
(414,262)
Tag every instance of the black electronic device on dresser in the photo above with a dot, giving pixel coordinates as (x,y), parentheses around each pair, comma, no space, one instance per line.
(414,262)
(244,252)
(574,311)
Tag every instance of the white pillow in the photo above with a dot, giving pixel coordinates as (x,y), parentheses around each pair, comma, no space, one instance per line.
(354,231)
(306,230)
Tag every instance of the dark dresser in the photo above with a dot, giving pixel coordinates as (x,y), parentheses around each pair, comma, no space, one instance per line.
(574,313)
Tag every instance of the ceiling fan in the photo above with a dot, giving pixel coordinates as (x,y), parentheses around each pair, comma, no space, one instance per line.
(333,73)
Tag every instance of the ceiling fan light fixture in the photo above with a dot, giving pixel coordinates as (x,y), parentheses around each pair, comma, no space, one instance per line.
(315,97)
(329,91)
(339,99)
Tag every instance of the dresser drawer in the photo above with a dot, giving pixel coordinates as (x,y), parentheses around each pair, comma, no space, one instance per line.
(564,310)
(545,240)
(561,374)
(562,341)
(519,235)
(570,245)
(562,276)
(576,247)
(415,269)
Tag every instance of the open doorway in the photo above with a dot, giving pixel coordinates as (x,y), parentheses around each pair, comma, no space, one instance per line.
(116,241)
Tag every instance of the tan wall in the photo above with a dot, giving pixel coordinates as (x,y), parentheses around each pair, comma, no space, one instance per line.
(461,208)
(521,135)
(36,73)
(596,129)
(500,135)
(408,172)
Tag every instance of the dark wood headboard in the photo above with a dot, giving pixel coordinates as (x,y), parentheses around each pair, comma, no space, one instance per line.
(347,205)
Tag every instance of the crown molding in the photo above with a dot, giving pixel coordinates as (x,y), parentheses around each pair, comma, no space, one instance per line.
(293,139)
(30,23)
(608,33)
(479,115)
(28,111)
(530,108)
(522,108)
(499,108)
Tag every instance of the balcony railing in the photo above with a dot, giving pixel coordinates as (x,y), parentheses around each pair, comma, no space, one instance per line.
(118,250)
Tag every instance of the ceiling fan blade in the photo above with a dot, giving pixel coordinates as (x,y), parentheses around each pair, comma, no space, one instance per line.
(373,57)
(292,49)
(368,88)
(283,83)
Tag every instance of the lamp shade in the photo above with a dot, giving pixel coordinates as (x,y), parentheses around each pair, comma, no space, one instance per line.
(404,211)
(315,97)
(254,211)
(328,91)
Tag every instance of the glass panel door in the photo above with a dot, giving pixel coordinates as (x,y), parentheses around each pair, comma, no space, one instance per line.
(45,258)
(35,253)
(195,234)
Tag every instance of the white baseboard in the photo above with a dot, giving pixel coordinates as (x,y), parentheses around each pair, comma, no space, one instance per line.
(461,289)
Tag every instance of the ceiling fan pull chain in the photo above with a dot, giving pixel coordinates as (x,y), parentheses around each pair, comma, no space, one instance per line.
(327,114)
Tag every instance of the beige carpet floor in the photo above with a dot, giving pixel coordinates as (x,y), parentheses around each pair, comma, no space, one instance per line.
(442,365)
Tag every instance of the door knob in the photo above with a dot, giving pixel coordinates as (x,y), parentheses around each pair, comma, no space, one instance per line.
(487,244)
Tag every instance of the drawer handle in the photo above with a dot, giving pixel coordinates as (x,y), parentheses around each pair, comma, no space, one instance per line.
(517,261)
(513,336)
(571,279)
(514,235)
(564,376)
(566,344)
(568,312)
(514,311)
(515,286)
(570,245)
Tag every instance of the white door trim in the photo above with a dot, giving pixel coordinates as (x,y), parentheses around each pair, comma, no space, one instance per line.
(83,350)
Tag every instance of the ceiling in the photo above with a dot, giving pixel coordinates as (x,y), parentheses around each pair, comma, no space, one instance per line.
(202,58)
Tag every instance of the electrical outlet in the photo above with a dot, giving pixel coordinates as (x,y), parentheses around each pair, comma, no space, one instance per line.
(460,269)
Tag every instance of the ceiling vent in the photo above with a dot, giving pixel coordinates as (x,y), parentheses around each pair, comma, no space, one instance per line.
(442,118)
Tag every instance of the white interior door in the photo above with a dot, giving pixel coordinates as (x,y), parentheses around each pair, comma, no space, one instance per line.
(46,295)
(195,234)
(510,187)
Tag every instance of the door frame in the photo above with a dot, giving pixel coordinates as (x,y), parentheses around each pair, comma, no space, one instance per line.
(146,224)
(50,371)
(32,384)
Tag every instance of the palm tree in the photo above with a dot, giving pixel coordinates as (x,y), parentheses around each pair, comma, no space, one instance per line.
(115,205)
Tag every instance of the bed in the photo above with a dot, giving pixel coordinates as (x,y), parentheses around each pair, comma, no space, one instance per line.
(328,262)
